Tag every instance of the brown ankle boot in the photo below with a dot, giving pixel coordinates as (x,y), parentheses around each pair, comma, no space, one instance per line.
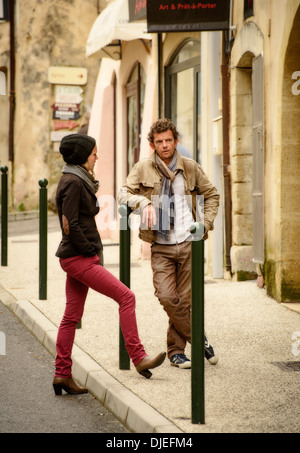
(146,363)
(68,385)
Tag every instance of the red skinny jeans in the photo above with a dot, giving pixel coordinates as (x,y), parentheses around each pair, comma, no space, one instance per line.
(84,273)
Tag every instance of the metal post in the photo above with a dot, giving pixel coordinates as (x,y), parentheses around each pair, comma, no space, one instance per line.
(43,239)
(197,324)
(124,211)
(4,216)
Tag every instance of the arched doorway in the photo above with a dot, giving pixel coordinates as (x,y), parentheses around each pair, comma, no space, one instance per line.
(247,153)
(247,157)
(290,170)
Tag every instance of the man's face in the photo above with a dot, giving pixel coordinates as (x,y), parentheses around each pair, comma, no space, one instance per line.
(165,146)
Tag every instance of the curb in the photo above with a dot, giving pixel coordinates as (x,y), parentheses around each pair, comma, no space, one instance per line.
(134,413)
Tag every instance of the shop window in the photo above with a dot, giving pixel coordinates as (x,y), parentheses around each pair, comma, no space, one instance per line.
(135,93)
(183,95)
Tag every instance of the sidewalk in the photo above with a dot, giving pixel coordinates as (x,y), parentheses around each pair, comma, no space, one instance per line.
(249,390)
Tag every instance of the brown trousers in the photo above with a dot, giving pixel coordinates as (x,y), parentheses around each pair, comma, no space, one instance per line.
(171,266)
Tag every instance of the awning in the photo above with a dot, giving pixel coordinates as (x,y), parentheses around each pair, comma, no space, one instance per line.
(112,26)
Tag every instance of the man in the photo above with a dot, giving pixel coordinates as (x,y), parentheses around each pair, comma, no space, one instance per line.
(165,190)
(183,150)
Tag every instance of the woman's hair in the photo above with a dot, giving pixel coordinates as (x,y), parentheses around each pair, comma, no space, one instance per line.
(162,125)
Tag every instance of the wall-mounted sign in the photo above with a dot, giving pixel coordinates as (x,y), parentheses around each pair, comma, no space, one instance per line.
(67,75)
(57,136)
(183,15)
(65,115)
(65,107)
(60,124)
(137,9)
(68,94)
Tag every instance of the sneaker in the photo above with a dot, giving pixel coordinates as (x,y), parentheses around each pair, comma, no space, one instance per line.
(180,360)
(209,353)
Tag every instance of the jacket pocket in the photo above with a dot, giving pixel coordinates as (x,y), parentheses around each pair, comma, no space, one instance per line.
(147,188)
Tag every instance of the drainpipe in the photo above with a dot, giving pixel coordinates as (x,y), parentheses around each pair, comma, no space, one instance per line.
(226,156)
(159,68)
(12,81)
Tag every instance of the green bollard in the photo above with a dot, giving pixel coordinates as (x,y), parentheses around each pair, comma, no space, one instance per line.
(43,239)
(197,324)
(124,211)
(4,216)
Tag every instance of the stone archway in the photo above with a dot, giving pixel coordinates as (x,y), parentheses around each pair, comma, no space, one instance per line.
(287,272)
(248,44)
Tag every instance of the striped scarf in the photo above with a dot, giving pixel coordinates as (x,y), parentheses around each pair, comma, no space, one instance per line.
(166,206)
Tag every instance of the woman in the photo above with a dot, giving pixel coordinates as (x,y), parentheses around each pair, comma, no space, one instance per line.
(80,254)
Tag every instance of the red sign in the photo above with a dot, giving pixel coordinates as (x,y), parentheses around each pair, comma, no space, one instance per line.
(64,125)
(137,9)
(183,15)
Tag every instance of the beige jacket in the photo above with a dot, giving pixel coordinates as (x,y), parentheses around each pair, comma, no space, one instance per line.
(144,181)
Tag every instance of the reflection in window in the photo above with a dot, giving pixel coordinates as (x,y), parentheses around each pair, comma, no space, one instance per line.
(183,96)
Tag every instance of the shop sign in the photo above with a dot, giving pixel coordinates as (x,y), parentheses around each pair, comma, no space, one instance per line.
(137,9)
(187,15)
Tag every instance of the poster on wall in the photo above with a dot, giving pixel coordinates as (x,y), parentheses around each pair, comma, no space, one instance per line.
(187,15)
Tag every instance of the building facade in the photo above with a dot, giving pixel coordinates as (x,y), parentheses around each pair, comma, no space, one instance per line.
(40,41)
(234,97)
(265,143)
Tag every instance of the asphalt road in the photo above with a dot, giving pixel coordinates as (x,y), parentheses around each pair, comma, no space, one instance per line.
(27,400)
(31,226)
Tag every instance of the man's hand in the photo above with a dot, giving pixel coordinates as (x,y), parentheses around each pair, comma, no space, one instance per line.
(205,235)
(149,216)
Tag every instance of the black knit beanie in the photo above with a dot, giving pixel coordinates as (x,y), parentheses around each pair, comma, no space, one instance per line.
(76,148)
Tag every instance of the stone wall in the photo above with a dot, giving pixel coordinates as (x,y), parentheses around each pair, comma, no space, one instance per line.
(47,33)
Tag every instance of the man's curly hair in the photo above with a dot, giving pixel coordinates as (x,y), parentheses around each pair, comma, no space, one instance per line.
(162,125)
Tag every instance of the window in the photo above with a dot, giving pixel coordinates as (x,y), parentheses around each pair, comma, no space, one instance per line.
(135,93)
(4,10)
(2,81)
(183,95)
